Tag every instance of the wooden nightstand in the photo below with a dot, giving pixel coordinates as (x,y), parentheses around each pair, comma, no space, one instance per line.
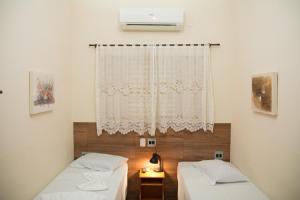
(152,185)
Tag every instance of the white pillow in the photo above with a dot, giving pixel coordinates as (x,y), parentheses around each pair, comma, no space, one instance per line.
(219,171)
(99,162)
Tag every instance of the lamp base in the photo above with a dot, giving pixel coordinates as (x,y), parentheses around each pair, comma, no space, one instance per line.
(158,170)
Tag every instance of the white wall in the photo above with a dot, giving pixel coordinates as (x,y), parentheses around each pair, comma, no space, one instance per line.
(97,21)
(34,35)
(267,148)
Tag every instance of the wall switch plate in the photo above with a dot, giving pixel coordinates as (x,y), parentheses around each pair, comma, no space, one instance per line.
(142,142)
(151,142)
(219,155)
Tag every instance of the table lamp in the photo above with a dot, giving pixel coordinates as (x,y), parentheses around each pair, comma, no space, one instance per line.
(154,160)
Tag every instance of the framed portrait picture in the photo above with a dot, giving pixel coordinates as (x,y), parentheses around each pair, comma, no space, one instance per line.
(42,97)
(264,93)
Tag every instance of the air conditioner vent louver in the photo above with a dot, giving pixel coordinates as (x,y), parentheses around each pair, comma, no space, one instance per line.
(150,24)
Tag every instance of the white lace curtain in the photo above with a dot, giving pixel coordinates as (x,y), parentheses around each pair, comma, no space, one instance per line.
(141,88)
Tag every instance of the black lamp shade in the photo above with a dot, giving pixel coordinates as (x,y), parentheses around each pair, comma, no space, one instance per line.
(155,158)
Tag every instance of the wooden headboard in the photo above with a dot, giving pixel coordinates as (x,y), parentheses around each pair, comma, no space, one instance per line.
(173,148)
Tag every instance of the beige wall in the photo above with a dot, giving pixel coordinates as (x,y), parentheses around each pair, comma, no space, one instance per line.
(267,149)
(256,37)
(34,35)
(97,21)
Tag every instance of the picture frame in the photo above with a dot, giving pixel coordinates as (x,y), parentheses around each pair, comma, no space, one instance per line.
(42,98)
(264,93)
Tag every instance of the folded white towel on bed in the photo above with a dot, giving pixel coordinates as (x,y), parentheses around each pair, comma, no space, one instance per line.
(93,185)
(78,195)
(96,181)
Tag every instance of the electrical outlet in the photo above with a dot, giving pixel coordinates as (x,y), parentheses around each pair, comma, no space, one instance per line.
(151,142)
(219,155)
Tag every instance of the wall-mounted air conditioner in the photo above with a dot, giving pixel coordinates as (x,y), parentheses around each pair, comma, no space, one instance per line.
(151,19)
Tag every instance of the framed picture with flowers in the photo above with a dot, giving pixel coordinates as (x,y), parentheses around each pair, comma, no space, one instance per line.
(42,97)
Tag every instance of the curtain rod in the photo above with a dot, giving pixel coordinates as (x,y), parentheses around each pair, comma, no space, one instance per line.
(129,45)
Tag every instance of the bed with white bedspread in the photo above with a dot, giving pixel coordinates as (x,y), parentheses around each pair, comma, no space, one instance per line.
(194,184)
(78,182)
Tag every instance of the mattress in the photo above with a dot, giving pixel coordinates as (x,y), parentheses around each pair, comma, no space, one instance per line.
(194,185)
(70,178)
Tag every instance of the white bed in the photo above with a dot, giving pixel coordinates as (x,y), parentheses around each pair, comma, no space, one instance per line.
(70,178)
(194,185)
